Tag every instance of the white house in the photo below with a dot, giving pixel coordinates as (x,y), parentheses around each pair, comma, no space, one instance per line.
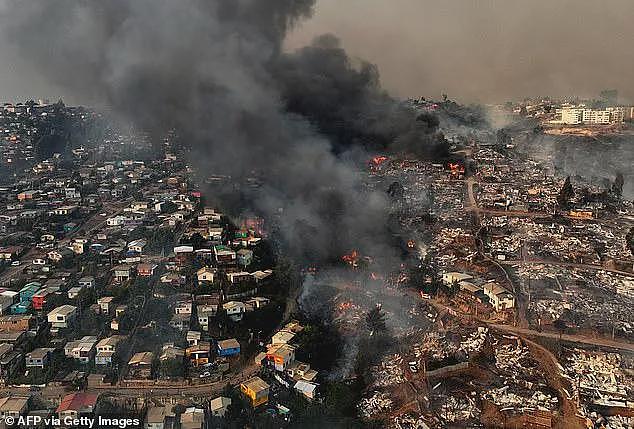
(235,309)
(62,316)
(500,297)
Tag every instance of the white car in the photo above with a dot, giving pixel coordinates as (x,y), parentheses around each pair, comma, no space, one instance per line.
(39,261)
(15,263)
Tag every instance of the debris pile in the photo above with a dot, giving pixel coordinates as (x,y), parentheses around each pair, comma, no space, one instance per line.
(375,404)
(458,409)
(388,372)
(506,399)
(474,342)
(408,421)
(599,376)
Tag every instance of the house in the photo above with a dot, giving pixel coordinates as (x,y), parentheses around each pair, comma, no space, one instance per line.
(116,220)
(183,254)
(224,254)
(500,298)
(72,292)
(106,304)
(59,255)
(283,336)
(137,246)
(219,406)
(10,252)
(6,301)
(120,309)
(141,365)
(183,307)
(139,205)
(87,281)
(280,356)
(257,390)
(193,337)
(173,279)
(13,406)
(81,350)
(205,314)
(10,362)
(206,275)
(39,358)
(17,323)
(261,276)
(28,195)
(451,277)
(106,349)
(239,277)
(229,347)
(301,371)
(170,351)
(64,210)
(76,405)
(62,317)
(25,296)
(72,193)
(199,354)
(256,302)
(27,292)
(155,418)
(39,299)
(192,418)
(146,270)
(181,321)
(78,247)
(306,388)
(235,310)
(122,273)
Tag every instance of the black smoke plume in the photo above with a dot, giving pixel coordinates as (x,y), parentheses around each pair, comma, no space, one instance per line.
(214,71)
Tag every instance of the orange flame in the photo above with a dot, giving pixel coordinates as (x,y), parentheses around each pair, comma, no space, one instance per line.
(345,306)
(411,244)
(456,168)
(377,161)
(351,258)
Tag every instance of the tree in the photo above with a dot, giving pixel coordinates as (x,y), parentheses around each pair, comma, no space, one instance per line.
(172,368)
(629,240)
(375,320)
(617,186)
(565,194)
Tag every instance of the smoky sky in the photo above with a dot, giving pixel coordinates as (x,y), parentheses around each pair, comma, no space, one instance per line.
(485,50)
(215,72)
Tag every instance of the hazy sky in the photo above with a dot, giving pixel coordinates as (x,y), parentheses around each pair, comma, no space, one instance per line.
(474,50)
(486,50)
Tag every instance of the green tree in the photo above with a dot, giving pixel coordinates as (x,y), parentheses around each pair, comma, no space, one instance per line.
(172,368)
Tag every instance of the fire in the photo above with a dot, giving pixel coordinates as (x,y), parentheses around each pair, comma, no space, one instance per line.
(411,244)
(456,168)
(351,258)
(344,306)
(377,161)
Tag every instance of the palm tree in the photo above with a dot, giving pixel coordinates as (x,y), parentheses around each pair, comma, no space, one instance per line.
(375,320)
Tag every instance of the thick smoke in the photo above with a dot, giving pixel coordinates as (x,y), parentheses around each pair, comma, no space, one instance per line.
(214,71)
(343,98)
